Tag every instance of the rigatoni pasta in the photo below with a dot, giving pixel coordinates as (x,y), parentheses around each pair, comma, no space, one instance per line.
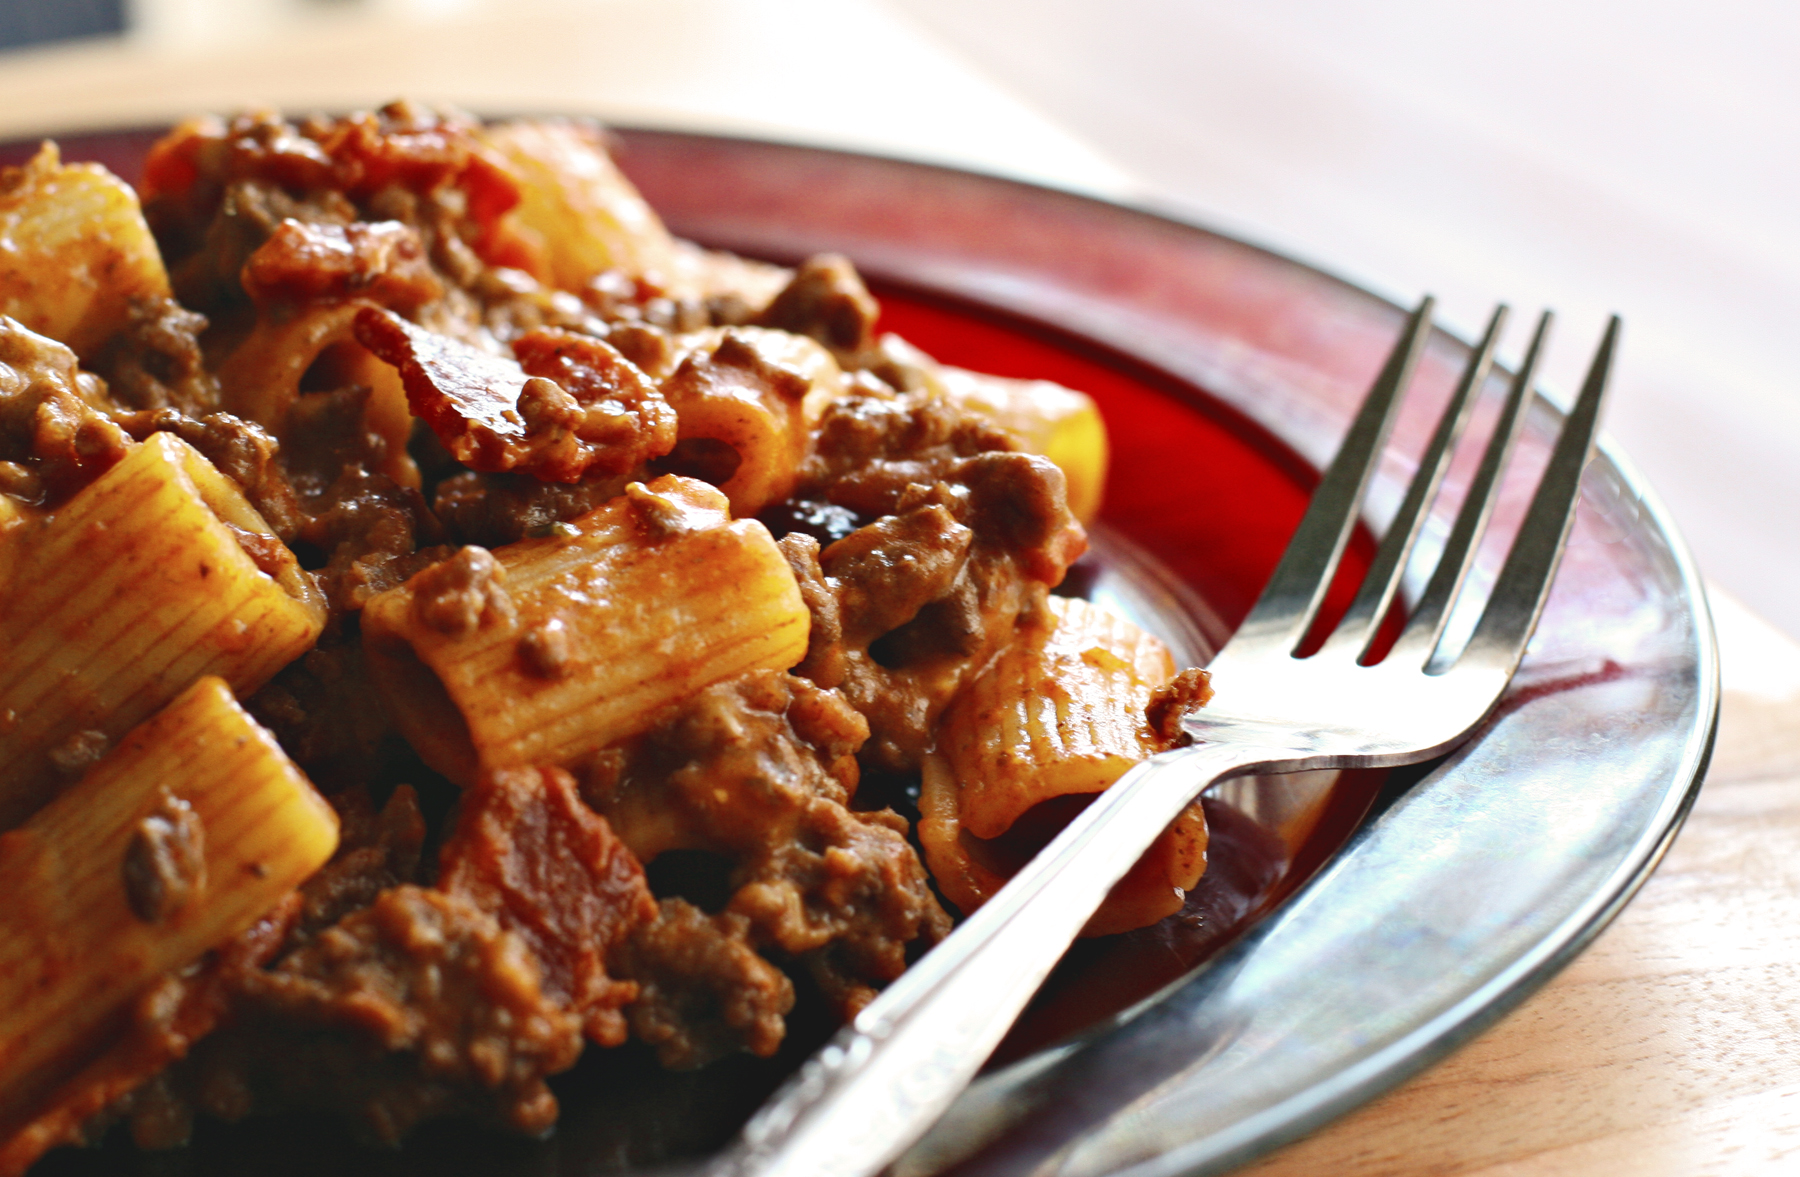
(261,378)
(550,649)
(1061,714)
(156,574)
(581,217)
(748,404)
(78,252)
(176,841)
(598,565)
(12,527)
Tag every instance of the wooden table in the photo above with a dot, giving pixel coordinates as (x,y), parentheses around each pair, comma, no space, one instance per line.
(1672,1045)
(1667,1048)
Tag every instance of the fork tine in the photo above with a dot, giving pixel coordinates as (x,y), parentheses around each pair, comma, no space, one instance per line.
(1290,600)
(1357,630)
(1426,625)
(1524,583)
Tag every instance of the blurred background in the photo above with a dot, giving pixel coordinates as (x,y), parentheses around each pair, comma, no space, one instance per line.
(1588,155)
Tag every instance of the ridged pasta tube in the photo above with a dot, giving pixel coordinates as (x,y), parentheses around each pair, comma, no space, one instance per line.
(261,378)
(156,574)
(545,651)
(759,394)
(77,251)
(13,518)
(577,207)
(186,833)
(1059,715)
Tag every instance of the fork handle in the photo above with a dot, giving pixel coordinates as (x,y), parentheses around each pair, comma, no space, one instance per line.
(888,1075)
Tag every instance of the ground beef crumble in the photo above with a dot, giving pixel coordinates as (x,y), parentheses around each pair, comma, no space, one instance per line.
(377,850)
(327,714)
(826,299)
(960,538)
(156,362)
(496,509)
(1186,692)
(759,771)
(705,991)
(366,532)
(416,1006)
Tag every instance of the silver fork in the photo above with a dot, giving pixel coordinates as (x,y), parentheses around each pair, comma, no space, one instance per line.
(887,1077)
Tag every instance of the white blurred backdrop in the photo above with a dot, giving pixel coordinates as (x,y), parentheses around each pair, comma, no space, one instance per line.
(1588,155)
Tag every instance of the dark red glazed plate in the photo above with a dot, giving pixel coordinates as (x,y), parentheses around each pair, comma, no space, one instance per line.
(1226,375)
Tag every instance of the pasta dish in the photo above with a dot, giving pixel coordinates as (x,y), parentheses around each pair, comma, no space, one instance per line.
(449,624)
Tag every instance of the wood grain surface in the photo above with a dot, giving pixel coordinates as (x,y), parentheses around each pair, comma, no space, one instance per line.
(1672,1045)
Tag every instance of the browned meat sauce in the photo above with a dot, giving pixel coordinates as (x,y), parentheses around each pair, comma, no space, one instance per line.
(676,887)
(157,362)
(55,435)
(328,716)
(930,539)
(391,1002)
(527,849)
(419,1005)
(496,509)
(758,772)
(966,540)
(377,849)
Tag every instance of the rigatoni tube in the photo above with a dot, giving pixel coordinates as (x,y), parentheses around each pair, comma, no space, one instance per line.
(156,574)
(1060,715)
(577,210)
(756,395)
(77,251)
(547,650)
(186,833)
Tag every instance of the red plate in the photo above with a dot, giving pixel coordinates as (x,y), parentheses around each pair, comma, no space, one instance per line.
(1225,374)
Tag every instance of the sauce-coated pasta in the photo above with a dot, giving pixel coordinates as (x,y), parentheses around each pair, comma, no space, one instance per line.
(590,602)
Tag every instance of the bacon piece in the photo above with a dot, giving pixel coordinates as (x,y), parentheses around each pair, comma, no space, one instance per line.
(383,261)
(529,851)
(494,415)
(623,411)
